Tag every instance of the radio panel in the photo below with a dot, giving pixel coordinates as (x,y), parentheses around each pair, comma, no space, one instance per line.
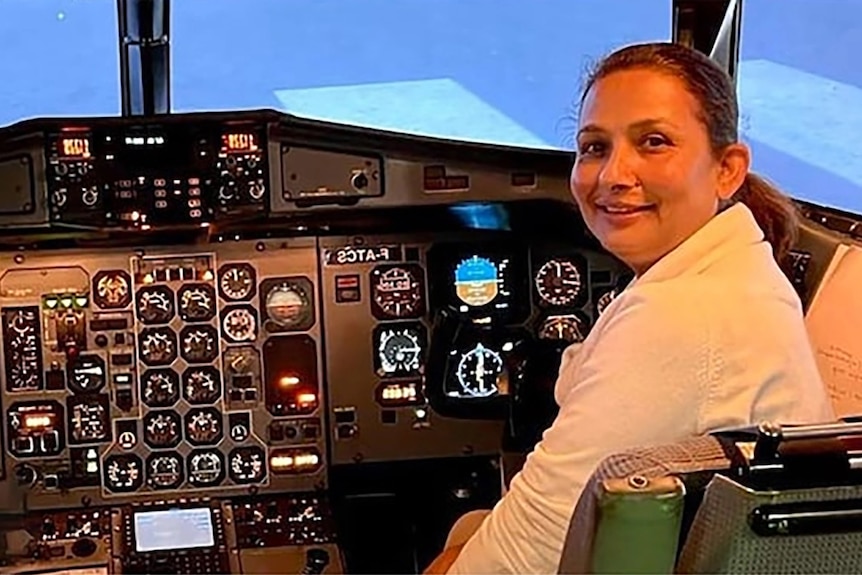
(156,175)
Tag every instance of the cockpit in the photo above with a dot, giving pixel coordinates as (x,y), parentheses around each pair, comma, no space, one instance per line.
(306,331)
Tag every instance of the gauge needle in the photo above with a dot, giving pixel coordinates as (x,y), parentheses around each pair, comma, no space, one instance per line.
(480,371)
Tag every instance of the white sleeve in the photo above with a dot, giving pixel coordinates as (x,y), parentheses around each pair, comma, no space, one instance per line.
(642,383)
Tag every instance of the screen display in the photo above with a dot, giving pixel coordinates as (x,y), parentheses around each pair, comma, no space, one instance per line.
(149,150)
(240,142)
(482,281)
(73,147)
(170,529)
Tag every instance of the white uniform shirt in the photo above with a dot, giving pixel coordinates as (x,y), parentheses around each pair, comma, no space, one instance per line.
(710,337)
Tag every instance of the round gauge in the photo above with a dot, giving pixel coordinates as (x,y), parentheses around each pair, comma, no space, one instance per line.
(127,440)
(160,387)
(241,360)
(605,300)
(112,289)
(239,432)
(287,305)
(237,282)
(164,470)
(397,291)
(247,464)
(479,371)
(199,343)
(559,283)
(155,304)
(239,324)
(203,426)
(158,346)
(477,281)
(162,428)
(201,385)
(197,302)
(23,356)
(123,473)
(87,374)
(399,350)
(568,328)
(206,467)
(24,322)
(89,419)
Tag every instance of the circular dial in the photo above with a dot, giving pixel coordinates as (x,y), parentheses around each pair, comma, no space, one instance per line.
(239,324)
(399,351)
(112,289)
(398,291)
(197,302)
(203,426)
(201,385)
(161,387)
(23,349)
(559,282)
(287,305)
(236,282)
(155,304)
(123,473)
(206,468)
(568,328)
(478,372)
(86,374)
(605,300)
(162,428)
(164,470)
(199,343)
(158,346)
(247,464)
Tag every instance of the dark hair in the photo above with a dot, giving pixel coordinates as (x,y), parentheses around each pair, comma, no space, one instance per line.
(719,111)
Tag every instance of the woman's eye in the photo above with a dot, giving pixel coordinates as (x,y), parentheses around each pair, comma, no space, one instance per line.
(655,141)
(590,148)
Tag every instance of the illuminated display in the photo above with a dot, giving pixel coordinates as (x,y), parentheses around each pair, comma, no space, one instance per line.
(74,147)
(239,142)
(478,281)
(485,283)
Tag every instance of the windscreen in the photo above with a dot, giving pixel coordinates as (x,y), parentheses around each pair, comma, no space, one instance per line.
(499,71)
(800,87)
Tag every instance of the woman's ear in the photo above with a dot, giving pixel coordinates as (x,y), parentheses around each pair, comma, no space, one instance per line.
(733,167)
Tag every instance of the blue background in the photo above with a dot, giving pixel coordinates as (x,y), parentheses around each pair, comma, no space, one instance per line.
(487,70)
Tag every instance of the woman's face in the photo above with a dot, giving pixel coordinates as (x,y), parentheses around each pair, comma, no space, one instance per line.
(645,177)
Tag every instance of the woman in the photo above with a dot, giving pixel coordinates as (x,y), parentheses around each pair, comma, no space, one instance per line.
(710,333)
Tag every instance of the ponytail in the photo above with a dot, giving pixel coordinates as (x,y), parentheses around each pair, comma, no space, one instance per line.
(775,213)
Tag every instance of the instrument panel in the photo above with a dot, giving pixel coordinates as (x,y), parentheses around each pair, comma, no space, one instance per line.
(379,407)
(148,373)
(246,366)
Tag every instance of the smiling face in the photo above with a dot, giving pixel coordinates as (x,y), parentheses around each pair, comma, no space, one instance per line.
(646,177)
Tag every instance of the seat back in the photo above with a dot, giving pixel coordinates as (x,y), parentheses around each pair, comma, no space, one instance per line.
(791,504)
(810,259)
(832,320)
(588,531)
(776,501)
(744,531)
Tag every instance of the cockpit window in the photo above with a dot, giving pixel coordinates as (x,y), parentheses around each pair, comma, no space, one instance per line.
(500,71)
(59,58)
(800,87)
